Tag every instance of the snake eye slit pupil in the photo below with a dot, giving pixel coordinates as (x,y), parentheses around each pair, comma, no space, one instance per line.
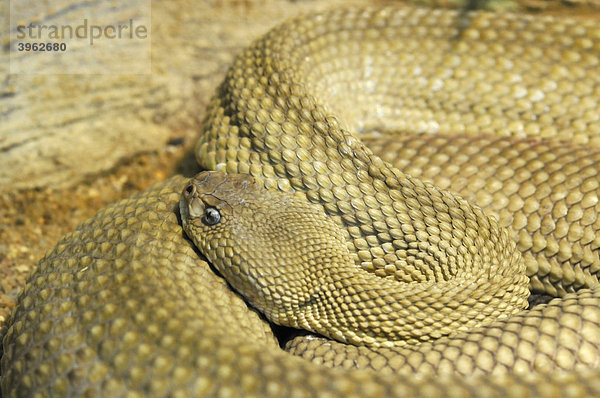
(211,216)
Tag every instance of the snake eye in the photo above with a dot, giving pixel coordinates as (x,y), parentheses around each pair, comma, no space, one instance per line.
(211,216)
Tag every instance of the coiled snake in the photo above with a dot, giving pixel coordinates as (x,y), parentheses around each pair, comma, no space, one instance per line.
(125,305)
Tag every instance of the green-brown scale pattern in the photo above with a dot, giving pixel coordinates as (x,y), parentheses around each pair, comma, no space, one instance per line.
(546,193)
(292,263)
(124,306)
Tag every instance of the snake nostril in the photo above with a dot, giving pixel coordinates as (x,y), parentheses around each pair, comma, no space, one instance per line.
(189,190)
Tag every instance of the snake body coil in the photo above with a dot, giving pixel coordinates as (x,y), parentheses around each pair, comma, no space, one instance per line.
(298,270)
(123,306)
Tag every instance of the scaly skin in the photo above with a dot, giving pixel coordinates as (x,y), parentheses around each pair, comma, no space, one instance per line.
(299,273)
(124,306)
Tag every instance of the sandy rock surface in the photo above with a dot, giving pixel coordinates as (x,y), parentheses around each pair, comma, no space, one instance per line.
(57,129)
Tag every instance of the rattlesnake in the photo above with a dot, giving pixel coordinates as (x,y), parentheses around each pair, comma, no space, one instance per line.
(125,305)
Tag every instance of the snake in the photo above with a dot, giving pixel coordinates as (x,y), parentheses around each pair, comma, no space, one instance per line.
(393,151)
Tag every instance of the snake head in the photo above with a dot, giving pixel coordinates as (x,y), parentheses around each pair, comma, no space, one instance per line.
(263,242)
(210,196)
(214,206)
